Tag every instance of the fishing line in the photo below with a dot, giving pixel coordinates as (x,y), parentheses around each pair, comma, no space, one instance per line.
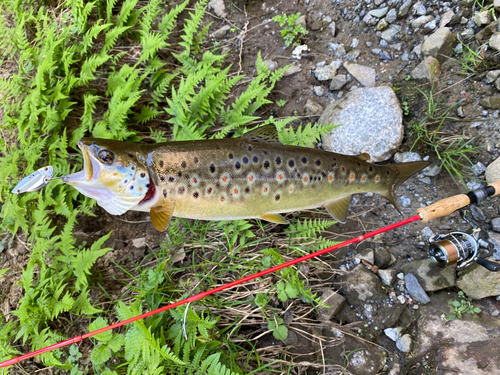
(436,210)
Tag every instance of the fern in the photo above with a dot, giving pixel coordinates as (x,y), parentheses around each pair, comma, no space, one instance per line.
(308,228)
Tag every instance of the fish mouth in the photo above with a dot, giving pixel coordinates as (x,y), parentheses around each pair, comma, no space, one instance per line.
(87,177)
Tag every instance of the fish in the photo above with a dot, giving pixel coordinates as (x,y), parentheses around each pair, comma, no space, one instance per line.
(254,176)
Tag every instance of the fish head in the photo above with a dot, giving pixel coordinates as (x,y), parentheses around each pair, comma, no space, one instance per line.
(114,174)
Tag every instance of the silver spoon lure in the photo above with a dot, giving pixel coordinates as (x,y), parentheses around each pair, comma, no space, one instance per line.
(36,180)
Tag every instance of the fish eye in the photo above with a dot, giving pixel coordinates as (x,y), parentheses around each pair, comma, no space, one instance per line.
(106,156)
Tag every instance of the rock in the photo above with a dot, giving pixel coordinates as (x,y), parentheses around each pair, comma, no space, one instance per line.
(478,168)
(364,361)
(477,282)
(415,290)
(221,33)
(381,25)
(391,16)
(298,51)
(291,338)
(430,276)
(494,42)
(363,74)
(325,73)
(294,69)
(446,18)
(319,91)
(370,20)
(404,9)
(332,28)
(383,257)
(218,7)
(378,13)
(405,157)
(271,65)
(494,239)
(427,233)
(482,18)
(394,333)
(432,170)
(496,4)
(361,286)
(439,44)
(391,33)
(486,32)
(366,255)
(379,137)
(477,213)
(421,21)
(404,343)
(395,370)
(139,243)
(338,82)
(405,201)
(388,277)
(490,102)
(419,9)
(474,185)
(495,223)
(492,76)
(497,84)
(312,108)
(332,299)
(426,71)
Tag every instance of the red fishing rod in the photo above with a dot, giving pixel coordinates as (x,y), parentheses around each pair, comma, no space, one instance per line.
(439,209)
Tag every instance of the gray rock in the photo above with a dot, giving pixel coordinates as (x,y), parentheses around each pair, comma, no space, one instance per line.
(218,7)
(312,108)
(381,25)
(490,102)
(388,276)
(370,20)
(430,276)
(427,232)
(496,4)
(365,361)
(494,239)
(366,255)
(379,137)
(319,90)
(474,185)
(395,370)
(361,286)
(221,33)
(139,243)
(405,157)
(419,9)
(467,34)
(477,213)
(383,257)
(271,65)
(421,21)
(391,16)
(446,18)
(338,82)
(494,42)
(492,76)
(394,333)
(404,343)
(363,74)
(404,9)
(378,13)
(426,71)
(497,84)
(425,180)
(495,223)
(325,73)
(405,201)
(477,282)
(439,43)
(432,170)
(301,21)
(482,18)
(340,52)
(376,51)
(478,168)
(429,27)
(492,173)
(332,28)
(391,33)
(332,299)
(294,69)
(387,56)
(415,290)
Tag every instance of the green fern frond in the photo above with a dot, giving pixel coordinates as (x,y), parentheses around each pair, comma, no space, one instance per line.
(308,228)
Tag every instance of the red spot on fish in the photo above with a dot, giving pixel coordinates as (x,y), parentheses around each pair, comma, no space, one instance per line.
(363,178)
(195,180)
(222,199)
(224,179)
(291,188)
(209,191)
(305,179)
(235,191)
(265,189)
(250,178)
(330,177)
(377,178)
(280,176)
(352,177)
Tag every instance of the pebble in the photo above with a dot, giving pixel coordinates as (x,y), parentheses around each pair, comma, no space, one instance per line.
(478,168)
(425,180)
(427,232)
(404,343)
(401,299)
(432,170)
(419,9)
(415,289)
(378,13)
(477,213)
(325,73)
(405,157)
(139,242)
(393,333)
(474,185)
(391,16)
(405,201)
(319,90)
(495,223)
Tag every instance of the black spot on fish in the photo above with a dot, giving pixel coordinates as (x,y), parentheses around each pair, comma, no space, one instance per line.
(130,155)
(245,160)
(179,174)
(165,193)
(171,179)
(195,194)
(304,160)
(318,162)
(237,165)
(370,169)
(267,164)
(133,168)
(161,163)
(247,190)
(209,191)
(265,152)
(181,190)
(212,168)
(291,163)
(249,148)
(147,185)
(277,197)
(183,164)
(132,187)
(230,156)
(388,172)
(143,174)
(162,177)
(278,160)
(196,159)
(125,181)
(255,159)
(359,164)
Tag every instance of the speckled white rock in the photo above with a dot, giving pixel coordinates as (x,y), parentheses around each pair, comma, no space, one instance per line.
(493,171)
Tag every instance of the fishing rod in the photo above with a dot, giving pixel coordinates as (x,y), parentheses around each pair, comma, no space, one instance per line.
(436,210)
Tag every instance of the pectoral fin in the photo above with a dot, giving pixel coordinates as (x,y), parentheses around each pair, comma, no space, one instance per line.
(339,208)
(274,218)
(161,215)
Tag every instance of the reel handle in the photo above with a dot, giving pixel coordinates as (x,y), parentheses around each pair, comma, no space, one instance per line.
(446,206)
(488,264)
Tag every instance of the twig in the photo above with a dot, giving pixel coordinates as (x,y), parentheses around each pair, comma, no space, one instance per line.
(242,37)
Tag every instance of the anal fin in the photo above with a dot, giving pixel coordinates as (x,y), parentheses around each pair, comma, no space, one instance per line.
(339,208)
(274,218)
(162,214)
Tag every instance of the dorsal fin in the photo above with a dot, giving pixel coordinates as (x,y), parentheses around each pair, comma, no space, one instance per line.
(266,133)
(364,156)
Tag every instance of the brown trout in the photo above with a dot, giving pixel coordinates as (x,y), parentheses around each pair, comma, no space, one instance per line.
(254,176)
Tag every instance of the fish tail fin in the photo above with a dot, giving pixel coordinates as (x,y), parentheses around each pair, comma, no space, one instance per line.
(402,172)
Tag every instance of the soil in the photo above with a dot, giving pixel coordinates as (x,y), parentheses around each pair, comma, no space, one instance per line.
(367,213)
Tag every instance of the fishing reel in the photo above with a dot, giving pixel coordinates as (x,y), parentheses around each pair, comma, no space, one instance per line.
(459,248)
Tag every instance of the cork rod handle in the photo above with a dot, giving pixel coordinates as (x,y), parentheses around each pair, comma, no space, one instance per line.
(448,205)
